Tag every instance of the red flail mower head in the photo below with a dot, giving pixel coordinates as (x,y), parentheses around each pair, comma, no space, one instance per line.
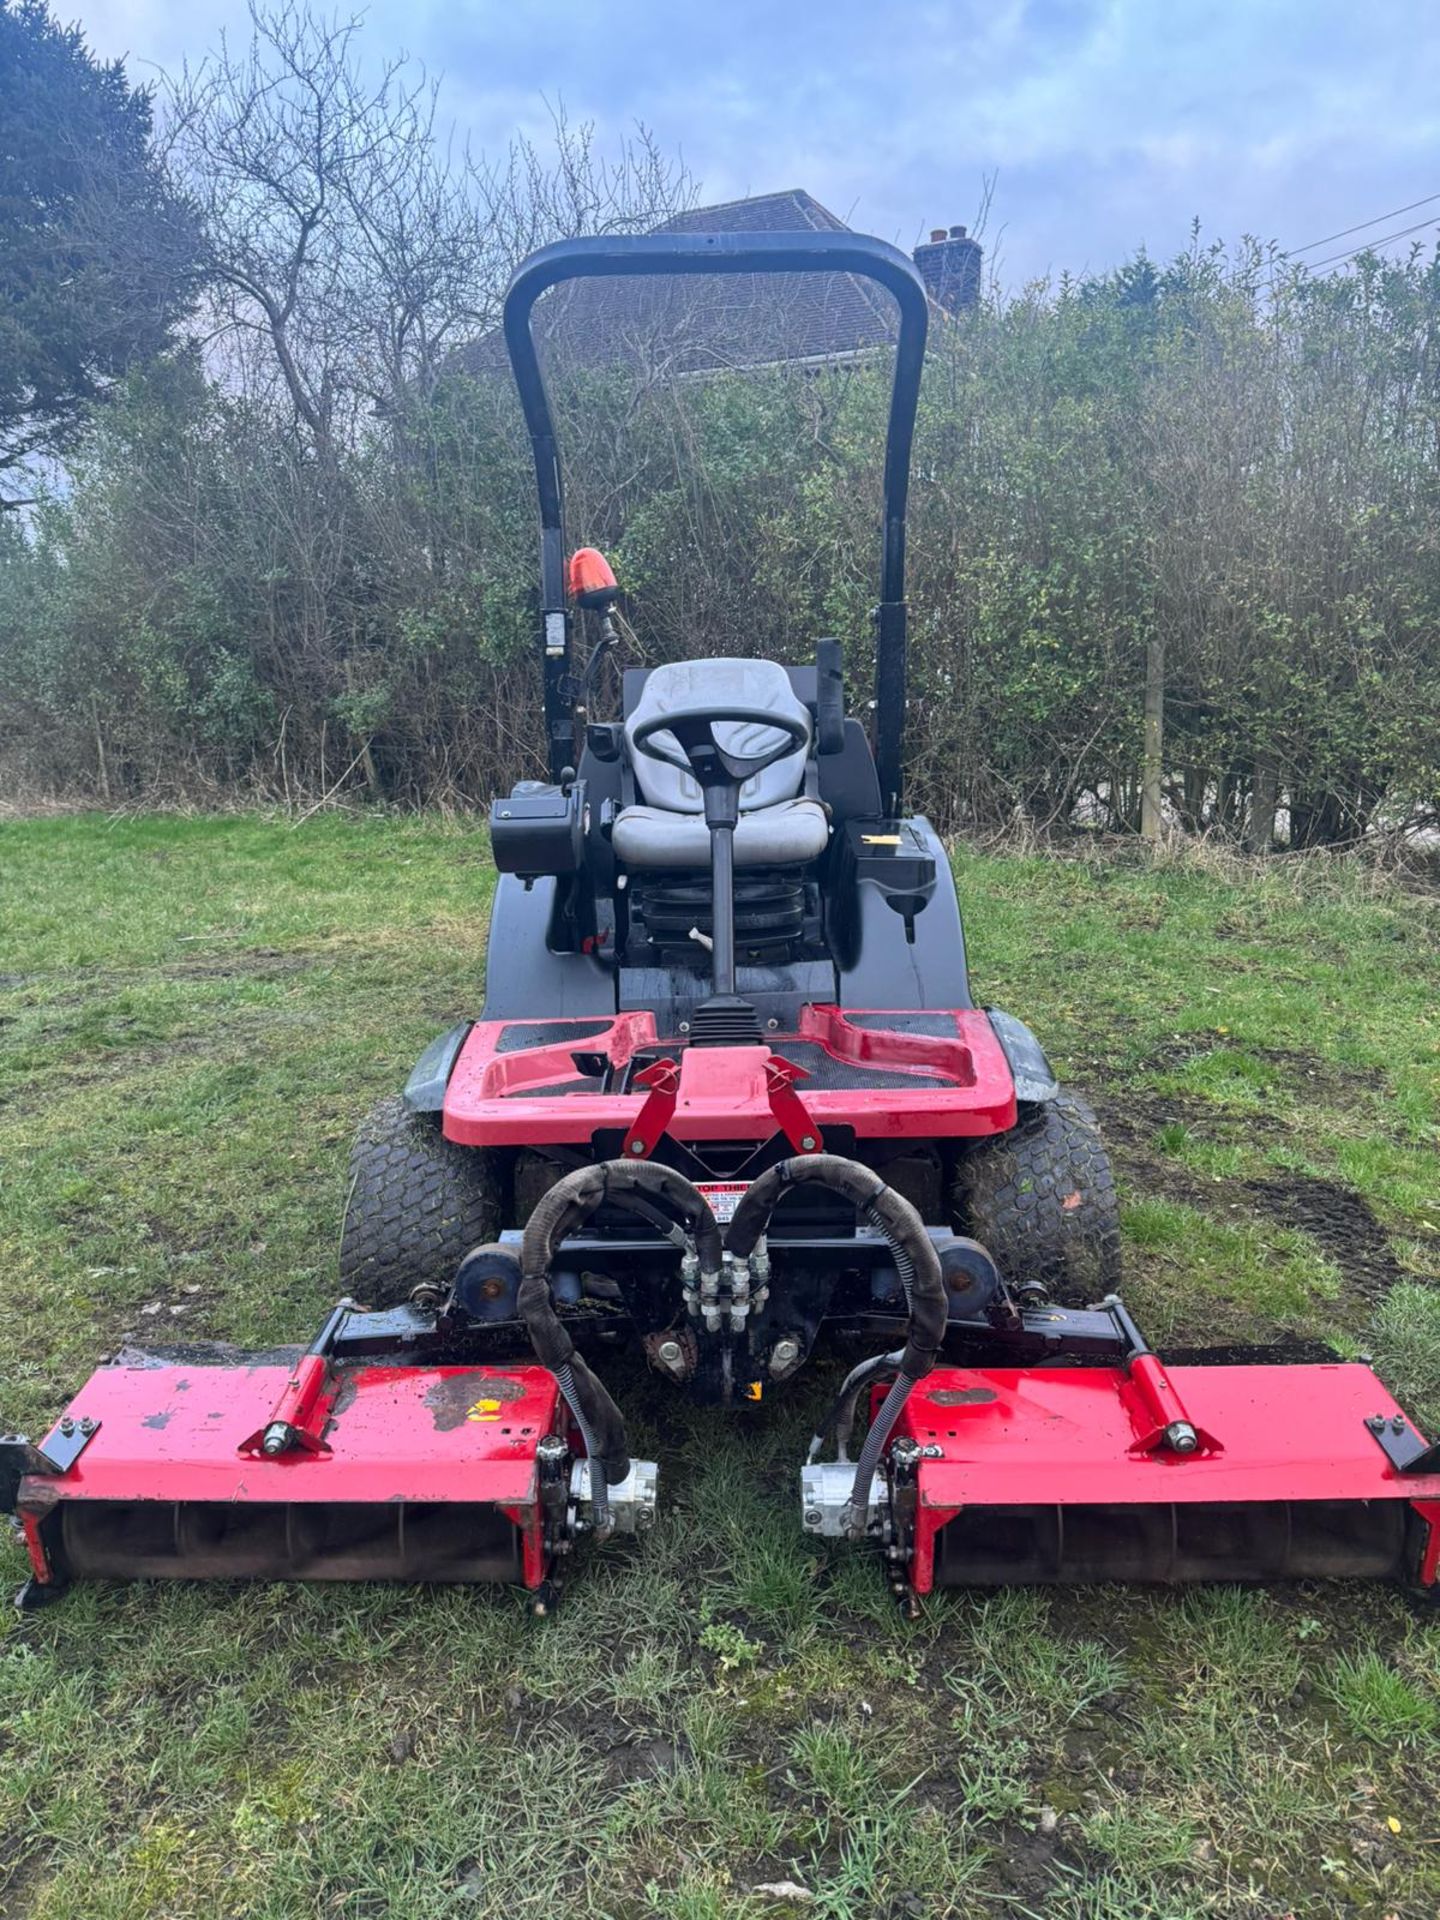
(338,1464)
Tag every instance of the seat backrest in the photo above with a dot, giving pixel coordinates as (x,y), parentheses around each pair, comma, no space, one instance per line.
(691,686)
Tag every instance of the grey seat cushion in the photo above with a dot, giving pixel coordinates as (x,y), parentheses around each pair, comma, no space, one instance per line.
(780,836)
(702,686)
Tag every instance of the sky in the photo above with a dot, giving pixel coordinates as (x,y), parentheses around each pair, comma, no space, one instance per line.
(1105,124)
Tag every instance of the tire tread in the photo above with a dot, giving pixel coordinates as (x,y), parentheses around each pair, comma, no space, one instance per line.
(1017,1194)
(416,1204)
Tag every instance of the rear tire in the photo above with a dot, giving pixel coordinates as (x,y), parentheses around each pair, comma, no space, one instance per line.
(416,1205)
(1042,1199)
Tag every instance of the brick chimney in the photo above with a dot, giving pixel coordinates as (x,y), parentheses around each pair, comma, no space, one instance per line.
(949,264)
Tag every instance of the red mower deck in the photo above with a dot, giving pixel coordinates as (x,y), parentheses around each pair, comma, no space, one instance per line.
(1056,1475)
(419,1473)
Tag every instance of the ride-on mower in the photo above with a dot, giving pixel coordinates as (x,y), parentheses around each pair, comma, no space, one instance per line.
(728,1087)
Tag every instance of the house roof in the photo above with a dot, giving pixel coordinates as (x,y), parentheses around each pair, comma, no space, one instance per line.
(707,322)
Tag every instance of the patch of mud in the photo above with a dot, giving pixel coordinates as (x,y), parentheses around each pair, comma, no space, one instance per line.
(1176,1050)
(631,1760)
(1131,1124)
(203,1353)
(1338,1219)
(457,1397)
(1313,1075)
(1308,1073)
(262,963)
(1340,1222)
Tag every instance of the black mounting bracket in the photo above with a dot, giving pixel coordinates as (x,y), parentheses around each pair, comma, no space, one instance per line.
(1401,1445)
(56,1454)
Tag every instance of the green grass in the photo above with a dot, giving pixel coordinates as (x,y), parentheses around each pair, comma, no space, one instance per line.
(193,1016)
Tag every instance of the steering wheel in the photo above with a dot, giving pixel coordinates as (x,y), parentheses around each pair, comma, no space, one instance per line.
(701,753)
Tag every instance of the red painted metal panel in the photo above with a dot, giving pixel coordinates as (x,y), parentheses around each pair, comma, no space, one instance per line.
(499,1099)
(426,1434)
(1058,1437)
(1057,1434)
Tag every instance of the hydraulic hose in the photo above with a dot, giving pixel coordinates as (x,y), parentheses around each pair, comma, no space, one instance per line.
(572,1200)
(633,1185)
(916,1261)
(840,1420)
(891,1215)
(876,1439)
(599,1485)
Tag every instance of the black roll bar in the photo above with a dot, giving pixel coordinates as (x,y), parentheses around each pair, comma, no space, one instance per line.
(663,253)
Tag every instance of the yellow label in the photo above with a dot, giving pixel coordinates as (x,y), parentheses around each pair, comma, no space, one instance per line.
(755,1390)
(484,1410)
(880,839)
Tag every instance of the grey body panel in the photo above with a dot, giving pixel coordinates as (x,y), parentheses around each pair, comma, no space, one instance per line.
(887,969)
(776,993)
(524,980)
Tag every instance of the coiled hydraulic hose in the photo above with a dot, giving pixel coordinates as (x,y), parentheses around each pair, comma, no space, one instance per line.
(840,1420)
(632,1185)
(916,1261)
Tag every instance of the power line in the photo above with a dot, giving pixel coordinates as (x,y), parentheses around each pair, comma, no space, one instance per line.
(1345,232)
(1369,246)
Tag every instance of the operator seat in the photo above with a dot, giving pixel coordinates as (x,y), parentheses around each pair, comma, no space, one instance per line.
(778,825)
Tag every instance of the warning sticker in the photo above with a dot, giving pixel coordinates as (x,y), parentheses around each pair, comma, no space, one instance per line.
(880,839)
(724,1197)
(485,1410)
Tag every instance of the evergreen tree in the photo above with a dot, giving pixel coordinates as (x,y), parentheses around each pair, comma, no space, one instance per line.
(98,252)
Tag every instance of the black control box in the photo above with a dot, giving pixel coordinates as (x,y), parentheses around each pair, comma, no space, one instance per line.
(538,828)
(889,856)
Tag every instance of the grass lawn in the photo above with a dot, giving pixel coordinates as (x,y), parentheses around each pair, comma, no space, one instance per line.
(193,1016)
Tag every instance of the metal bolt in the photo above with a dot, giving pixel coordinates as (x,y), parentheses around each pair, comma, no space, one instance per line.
(1397,1425)
(772,1025)
(684,1026)
(807,1142)
(67,1425)
(812,1516)
(87,1425)
(671,1354)
(1182,1436)
(637,1146)
(276,1440)
(783,1355)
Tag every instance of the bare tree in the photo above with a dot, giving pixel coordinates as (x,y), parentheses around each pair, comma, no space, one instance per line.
(345,238)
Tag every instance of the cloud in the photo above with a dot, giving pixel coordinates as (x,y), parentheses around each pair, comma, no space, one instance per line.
(1108,122)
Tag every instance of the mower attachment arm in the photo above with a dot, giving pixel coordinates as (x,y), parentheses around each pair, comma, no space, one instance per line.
(664,253)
